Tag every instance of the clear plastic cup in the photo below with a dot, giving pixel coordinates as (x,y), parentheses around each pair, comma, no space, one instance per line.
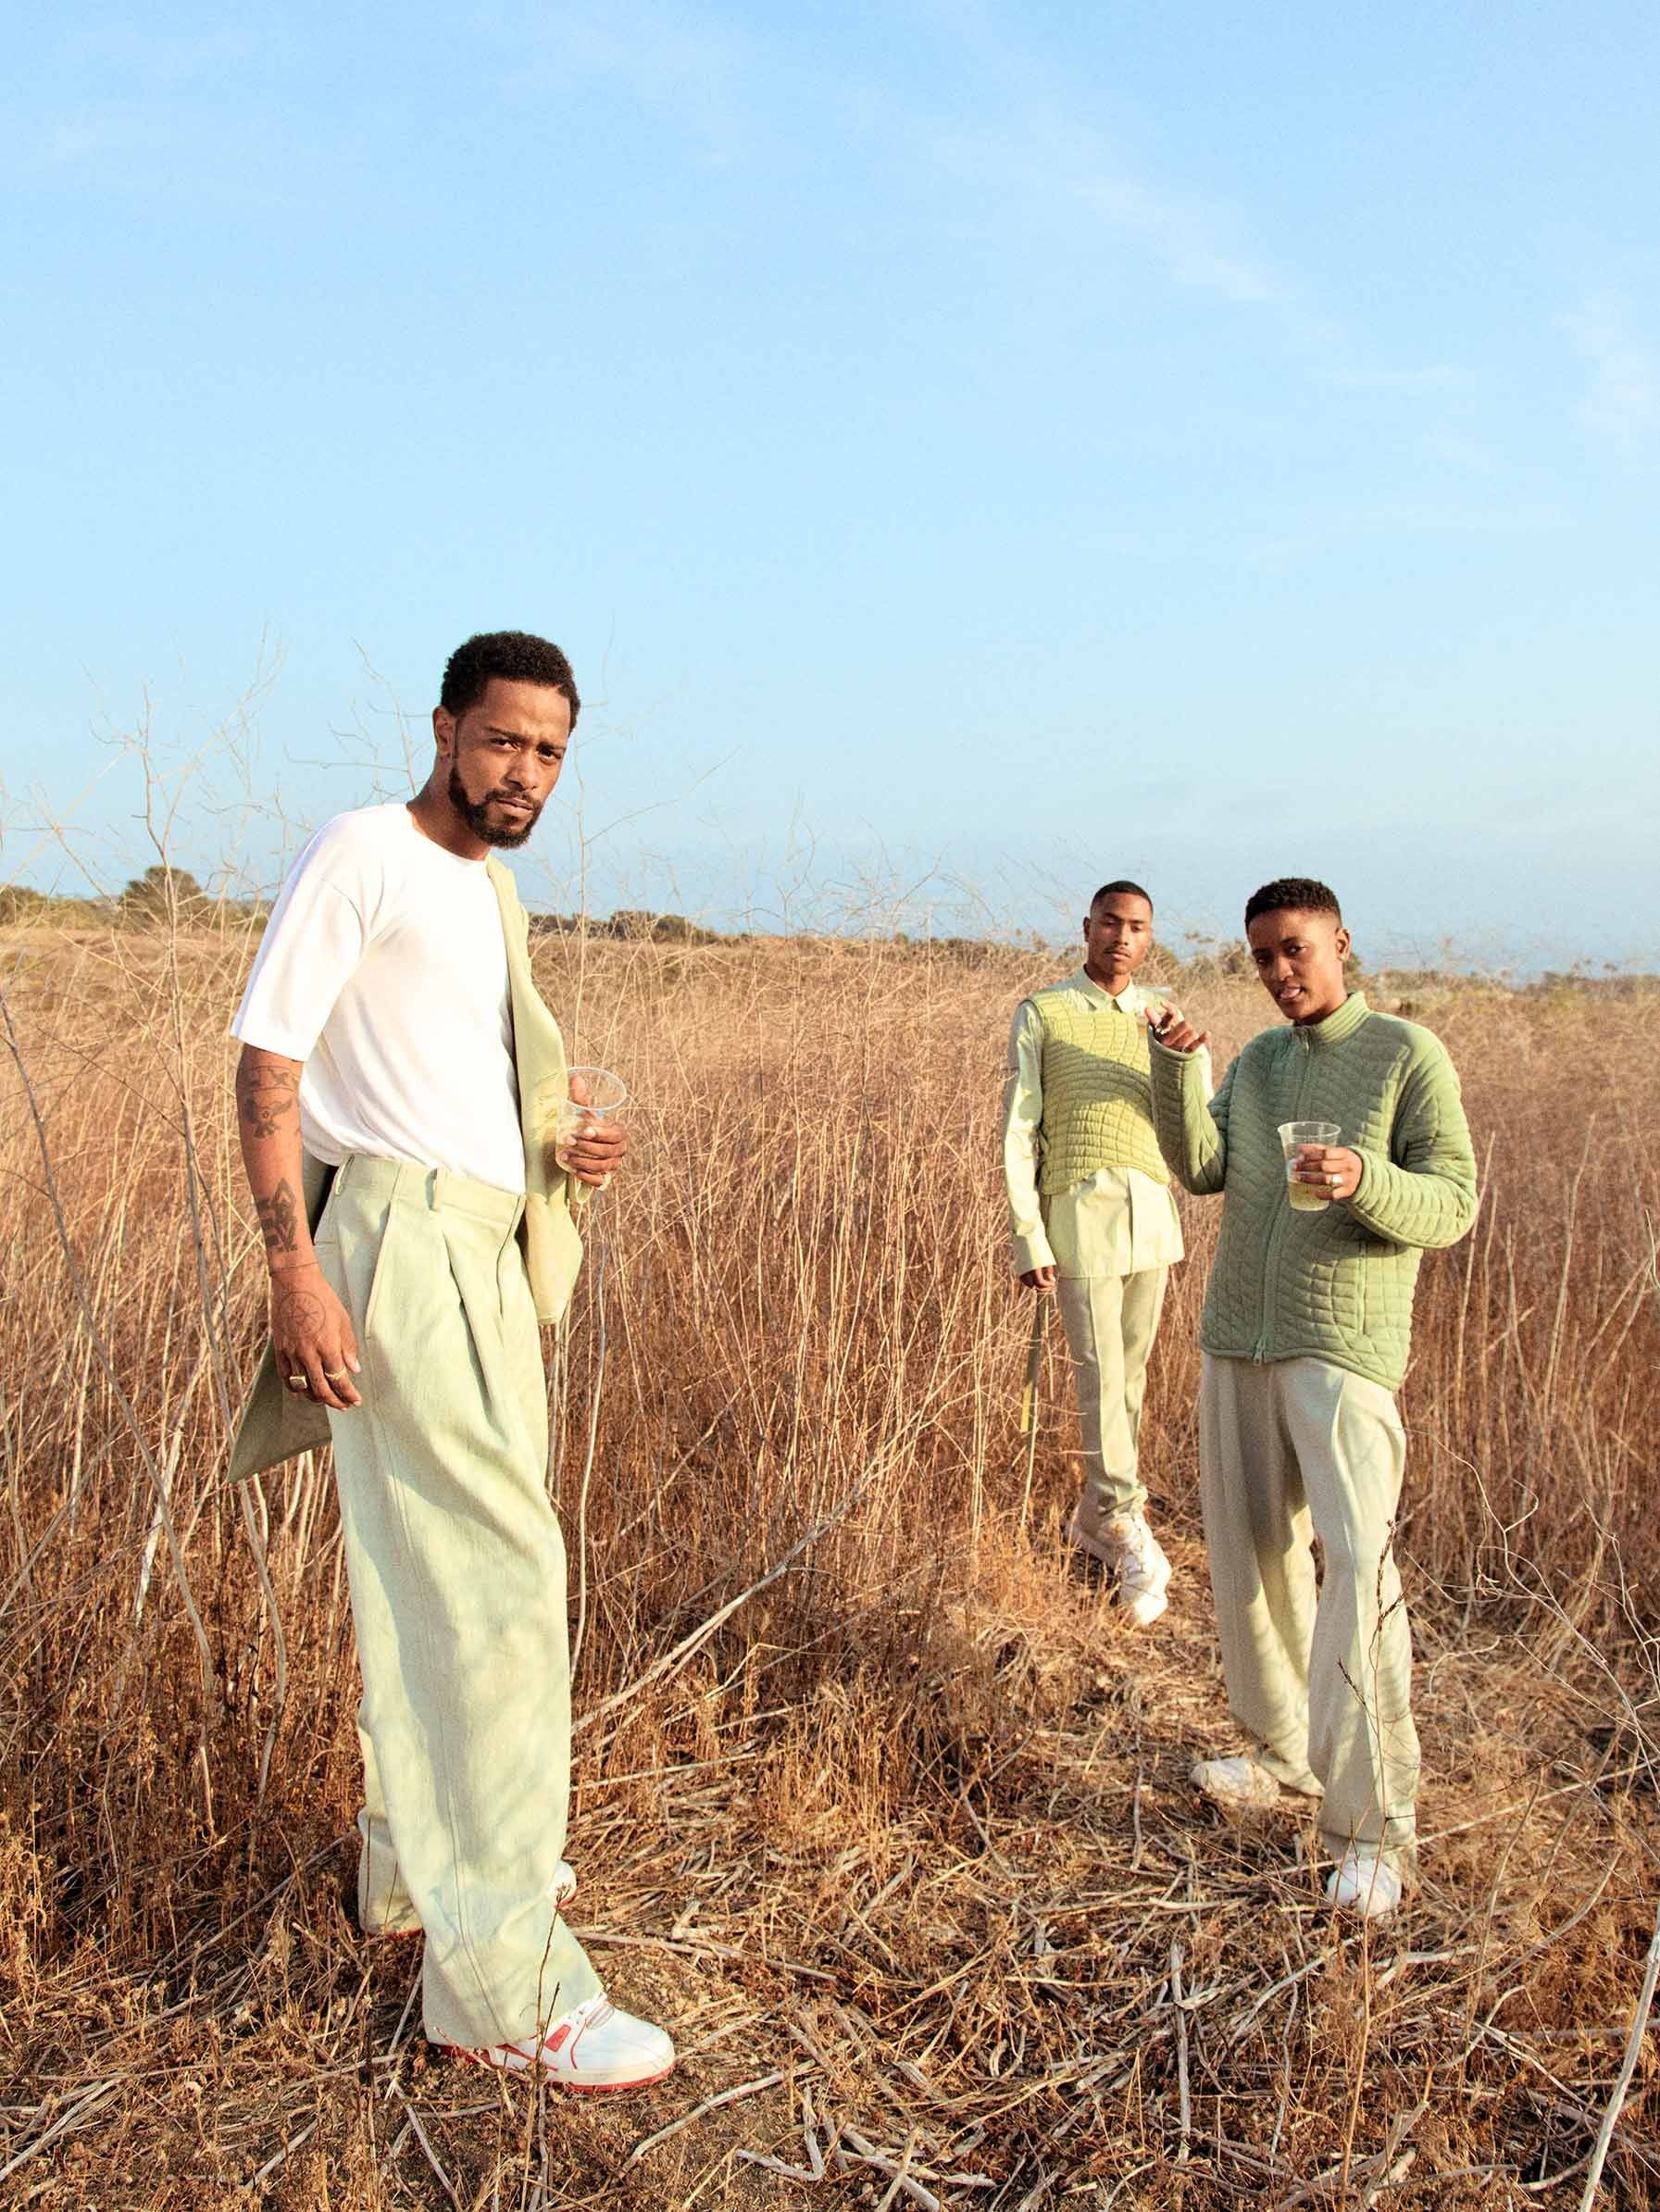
(605,1095)
(1294,1135)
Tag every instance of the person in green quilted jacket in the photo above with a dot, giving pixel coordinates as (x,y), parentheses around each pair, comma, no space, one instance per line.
(1092,1218)
(1305,1336)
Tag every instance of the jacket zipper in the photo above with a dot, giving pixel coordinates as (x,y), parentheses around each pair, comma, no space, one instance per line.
(1271,1258)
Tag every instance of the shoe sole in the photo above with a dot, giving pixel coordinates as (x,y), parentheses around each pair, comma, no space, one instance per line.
(581,2089)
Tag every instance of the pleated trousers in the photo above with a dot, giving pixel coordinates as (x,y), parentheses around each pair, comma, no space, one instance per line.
(458,1577)
(1110,1322)
(1319,1679)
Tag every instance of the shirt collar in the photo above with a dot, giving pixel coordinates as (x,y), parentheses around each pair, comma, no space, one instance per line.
(1128,1001)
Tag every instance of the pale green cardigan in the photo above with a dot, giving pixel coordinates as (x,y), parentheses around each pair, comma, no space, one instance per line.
(1338,1284)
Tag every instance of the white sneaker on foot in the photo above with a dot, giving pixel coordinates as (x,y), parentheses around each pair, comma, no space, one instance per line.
(1238,1785)
(1364,1882)
(1137,1558)
(562,1888)
(594,2047)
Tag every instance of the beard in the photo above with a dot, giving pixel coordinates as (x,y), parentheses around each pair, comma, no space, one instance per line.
(474,813)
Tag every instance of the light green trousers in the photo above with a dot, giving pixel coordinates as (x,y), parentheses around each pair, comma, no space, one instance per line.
(1321,1682)
(458,1577)
(1110,1321)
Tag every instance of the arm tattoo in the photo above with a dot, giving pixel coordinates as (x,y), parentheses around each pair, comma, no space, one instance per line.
(279,1218)
(268,1097)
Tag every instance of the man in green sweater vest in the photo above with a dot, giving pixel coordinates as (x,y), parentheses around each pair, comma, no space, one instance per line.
(1306,1329)
(1092,1217)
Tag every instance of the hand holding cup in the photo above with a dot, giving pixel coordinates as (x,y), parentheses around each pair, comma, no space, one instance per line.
(590,1140)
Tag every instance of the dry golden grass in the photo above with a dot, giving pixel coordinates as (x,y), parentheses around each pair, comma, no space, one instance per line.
(901,1847)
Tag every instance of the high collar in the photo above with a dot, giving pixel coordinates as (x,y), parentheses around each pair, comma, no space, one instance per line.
(1317,1036)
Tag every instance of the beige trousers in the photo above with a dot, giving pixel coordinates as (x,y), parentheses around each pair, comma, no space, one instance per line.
(1110,1321)
(457,1578)
(1321,1682)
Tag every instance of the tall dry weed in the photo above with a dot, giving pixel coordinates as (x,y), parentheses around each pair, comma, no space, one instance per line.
(894,1836)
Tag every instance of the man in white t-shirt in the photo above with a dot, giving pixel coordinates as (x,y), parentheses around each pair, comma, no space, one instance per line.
(392,1040)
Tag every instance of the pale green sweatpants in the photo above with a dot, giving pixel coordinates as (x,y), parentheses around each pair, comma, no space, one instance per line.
(1320,1683)
(458,1577)
(1110,1321)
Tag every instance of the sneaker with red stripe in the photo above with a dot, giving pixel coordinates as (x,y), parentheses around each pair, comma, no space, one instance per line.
(595,2047)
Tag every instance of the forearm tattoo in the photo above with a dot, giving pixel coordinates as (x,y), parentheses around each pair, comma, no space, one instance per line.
(279,1218)
(268,1098)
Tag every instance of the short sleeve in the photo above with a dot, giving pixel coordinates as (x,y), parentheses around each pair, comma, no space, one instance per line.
(316,936)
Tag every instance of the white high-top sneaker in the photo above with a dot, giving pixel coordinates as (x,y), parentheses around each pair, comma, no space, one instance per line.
(1364,1882)
(1136,1556)
(1238,1785)
(592,2048)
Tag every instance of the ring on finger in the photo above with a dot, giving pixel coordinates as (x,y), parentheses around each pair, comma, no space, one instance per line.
(298,1381)
(335,1374)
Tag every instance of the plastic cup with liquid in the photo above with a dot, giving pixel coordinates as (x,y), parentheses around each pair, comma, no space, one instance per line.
(589,1091)
(1294,1135)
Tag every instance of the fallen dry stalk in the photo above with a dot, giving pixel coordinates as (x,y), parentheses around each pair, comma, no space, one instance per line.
(880,1812)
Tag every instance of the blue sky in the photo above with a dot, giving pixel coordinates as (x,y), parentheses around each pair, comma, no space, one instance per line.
(966,449)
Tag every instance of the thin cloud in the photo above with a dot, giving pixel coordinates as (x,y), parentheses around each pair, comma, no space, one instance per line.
(1620,403)
(686,67)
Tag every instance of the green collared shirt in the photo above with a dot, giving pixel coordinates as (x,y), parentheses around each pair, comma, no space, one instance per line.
(1117,1221)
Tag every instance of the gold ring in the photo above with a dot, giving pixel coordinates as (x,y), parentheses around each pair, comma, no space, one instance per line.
(1334,1180)
(299,1382)
(335,1374)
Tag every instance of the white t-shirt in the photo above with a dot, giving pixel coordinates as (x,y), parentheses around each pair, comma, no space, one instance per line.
(385,969)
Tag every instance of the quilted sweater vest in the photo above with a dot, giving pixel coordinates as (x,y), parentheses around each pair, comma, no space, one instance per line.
(1097,1092)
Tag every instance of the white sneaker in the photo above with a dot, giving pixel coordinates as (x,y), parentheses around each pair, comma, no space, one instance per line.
(1365,1883)
(1238,1785)
(1136,1556)
(562,1888)
(594,2047)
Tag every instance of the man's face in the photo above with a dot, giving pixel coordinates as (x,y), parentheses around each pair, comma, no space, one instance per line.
(1300,958)
(1117,936)
(504,755)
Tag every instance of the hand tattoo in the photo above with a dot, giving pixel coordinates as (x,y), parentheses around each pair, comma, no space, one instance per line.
(279,1218)
(293,1311)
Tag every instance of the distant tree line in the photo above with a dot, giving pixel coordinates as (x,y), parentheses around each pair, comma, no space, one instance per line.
(149,900)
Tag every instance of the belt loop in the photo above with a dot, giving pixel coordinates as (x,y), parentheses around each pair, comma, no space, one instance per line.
(440,1182)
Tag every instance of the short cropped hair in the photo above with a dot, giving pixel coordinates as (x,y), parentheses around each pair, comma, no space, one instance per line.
(514,655)
(1294,895)
(1123,883)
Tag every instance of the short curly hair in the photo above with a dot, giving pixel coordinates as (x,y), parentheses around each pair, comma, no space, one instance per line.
(514,655)
(1294,895)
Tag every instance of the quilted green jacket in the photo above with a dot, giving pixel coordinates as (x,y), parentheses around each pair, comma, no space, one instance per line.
(1337,1284)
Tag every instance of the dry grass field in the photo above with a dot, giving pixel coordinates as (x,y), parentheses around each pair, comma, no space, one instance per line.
(878,1810)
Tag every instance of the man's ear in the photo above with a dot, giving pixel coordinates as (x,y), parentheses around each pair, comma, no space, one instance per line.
(444,732)
(1342,941)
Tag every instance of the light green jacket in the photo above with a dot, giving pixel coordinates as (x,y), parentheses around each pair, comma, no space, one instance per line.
(1336,1284)
(277,1422)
